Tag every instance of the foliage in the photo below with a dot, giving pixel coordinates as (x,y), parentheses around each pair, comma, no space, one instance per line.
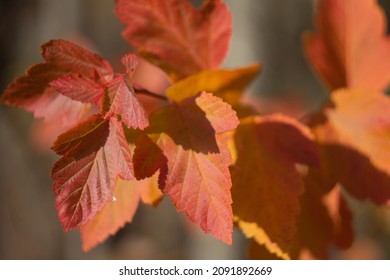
(276,178)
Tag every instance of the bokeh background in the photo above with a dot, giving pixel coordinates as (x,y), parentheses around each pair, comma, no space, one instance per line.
(266,31)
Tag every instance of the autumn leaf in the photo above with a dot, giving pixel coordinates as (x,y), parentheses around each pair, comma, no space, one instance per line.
(34,93)
(260,252)
(361,120)
(350,47)
(80,88)
(26,90)
(258,235)
(325,220)
(175,36)
(226,84)
(195,172)
(94,153)
(61,58)
(116,97)
(124,102)
(354,138)
(77,141)
(265,175)
(71,58)
(58,109)
(118,211)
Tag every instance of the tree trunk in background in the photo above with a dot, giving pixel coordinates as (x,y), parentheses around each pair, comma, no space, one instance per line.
(270,32)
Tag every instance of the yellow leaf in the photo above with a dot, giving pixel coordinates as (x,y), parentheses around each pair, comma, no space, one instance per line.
(226,84)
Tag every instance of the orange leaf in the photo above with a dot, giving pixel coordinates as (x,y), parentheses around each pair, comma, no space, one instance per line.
(266,183)
(175,35)
(119,211)
(354,171)
(361,120)
(358,128)
(325,220)
(195,171)
(350,48)
(226,84)
(354,138)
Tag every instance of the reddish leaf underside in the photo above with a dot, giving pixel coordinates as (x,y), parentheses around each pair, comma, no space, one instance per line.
(176,36)
(84,177)
(265,175)
(350,47)
(195,173)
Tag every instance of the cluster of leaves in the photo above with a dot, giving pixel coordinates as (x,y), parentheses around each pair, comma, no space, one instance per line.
(205,146)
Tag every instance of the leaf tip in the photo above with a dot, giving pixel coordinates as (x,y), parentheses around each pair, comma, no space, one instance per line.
(130,61)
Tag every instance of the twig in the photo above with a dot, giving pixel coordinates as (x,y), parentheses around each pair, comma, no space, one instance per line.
(151,94)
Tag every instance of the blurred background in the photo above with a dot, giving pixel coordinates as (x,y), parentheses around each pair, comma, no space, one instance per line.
(264,31)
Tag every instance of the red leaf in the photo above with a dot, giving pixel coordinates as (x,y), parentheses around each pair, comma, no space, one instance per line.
(350,48)
(33,91)
(27,90)
(125,103)
(83,183)
(175,35)
(61,57)
(196,173)
(80,88)
(74,59)
(119,151)
(78,141)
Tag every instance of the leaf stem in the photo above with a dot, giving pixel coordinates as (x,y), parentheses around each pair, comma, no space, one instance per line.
(149,93)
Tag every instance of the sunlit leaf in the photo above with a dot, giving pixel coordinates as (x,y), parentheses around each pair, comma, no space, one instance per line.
(175,35)
(195,172)
(266,183)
